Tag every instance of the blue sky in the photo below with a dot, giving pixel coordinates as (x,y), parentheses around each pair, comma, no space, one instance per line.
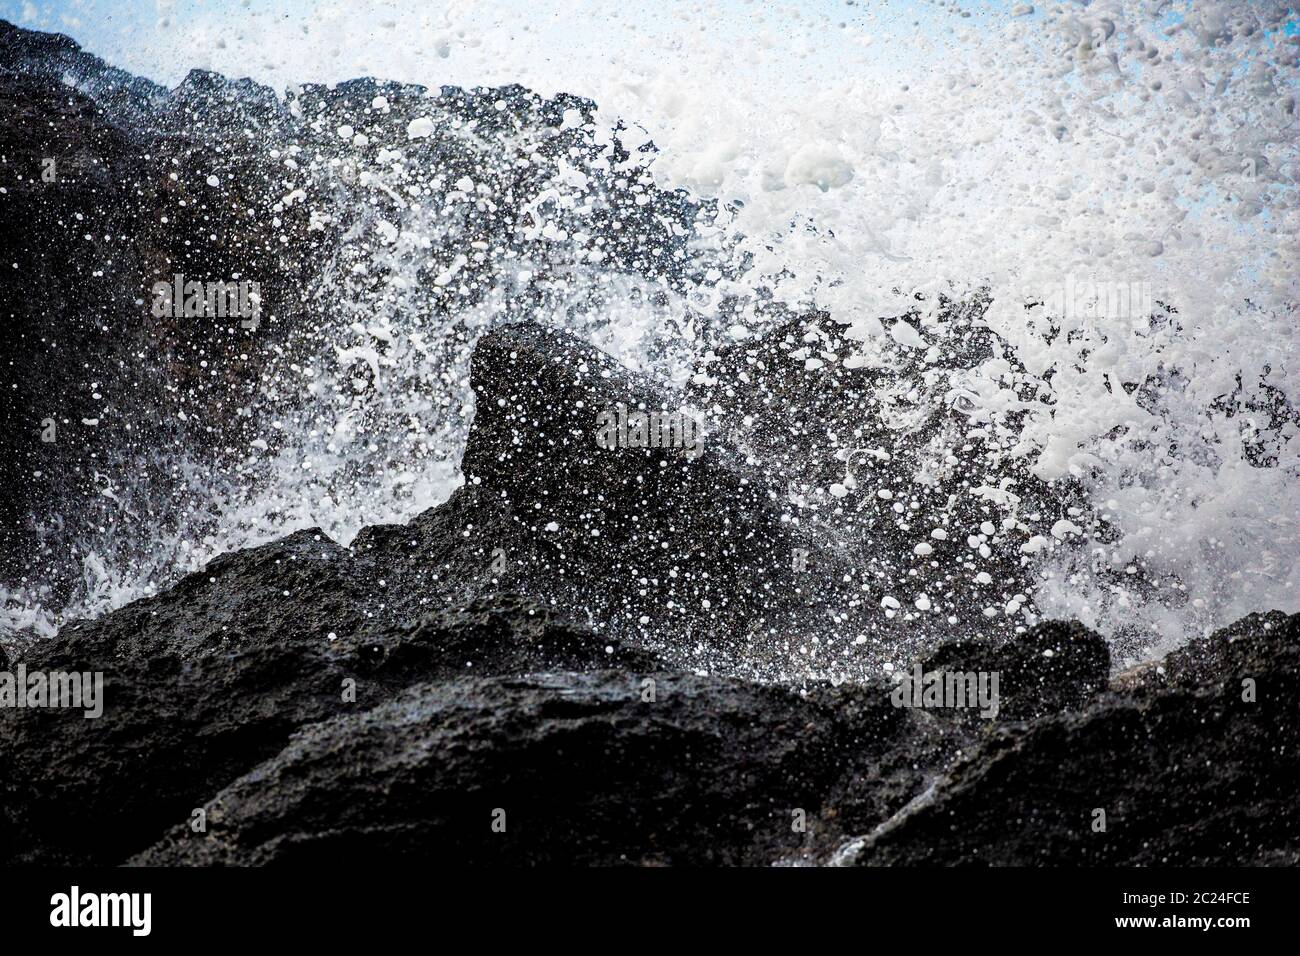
(551,43)
(282,41)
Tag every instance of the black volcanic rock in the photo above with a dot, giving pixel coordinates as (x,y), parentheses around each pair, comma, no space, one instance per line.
(57,59)
(1260,647)
(606,768)
(210,678)
(1055,666)
(125,205)
(493,635)
(657,532)
(1196,775)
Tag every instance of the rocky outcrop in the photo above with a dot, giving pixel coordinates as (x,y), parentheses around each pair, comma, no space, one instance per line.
(1199,772)
(1260,648)
(683,538)
(606,768)
(1054,667)
(212,677)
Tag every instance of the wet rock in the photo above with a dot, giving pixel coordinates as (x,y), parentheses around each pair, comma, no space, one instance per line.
(1263,648)
(98,207)
(212,677)
(539,394)
(1055,666)
(689,536)
(53,57)
(1199,774)
(499,634)
(604,768)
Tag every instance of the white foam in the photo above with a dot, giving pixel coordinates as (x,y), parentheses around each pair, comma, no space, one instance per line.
(878,151)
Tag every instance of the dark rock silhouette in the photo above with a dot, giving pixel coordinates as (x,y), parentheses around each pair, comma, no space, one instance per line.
(605,768)
(1199,773)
